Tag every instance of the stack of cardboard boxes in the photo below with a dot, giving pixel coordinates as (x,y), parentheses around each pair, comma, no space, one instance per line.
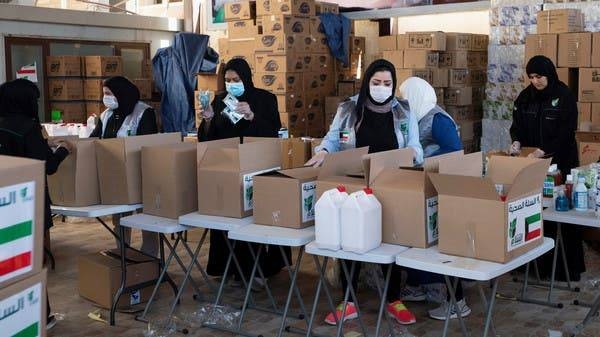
(22,279)
(284,43)
(65,87)
(576,54)
(97,69)
(206,82)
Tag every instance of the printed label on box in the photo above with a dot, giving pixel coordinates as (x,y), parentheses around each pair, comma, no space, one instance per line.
(309,196)
(524,221)
(135,297)
(20,314)
(432,219)
(17,211)
(248,184)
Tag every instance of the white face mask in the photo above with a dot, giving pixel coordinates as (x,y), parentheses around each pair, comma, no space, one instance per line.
(110,102)
(380,93)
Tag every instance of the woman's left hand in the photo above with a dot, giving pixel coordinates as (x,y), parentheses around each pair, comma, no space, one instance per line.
(244,109)
(538,153)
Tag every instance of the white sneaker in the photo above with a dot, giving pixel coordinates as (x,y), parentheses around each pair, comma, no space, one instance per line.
(439,313)
(51,322)
(412,294)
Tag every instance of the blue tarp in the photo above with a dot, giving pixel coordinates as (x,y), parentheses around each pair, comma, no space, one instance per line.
(175,70)
(337,30)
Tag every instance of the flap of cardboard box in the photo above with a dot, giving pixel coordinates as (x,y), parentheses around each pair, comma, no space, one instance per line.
(529,178)
(375,163)
(301,173)
(134,144)
(464,186)
(432,164)
(342,162)
(467,165)
(412,180)
(259,153)
(225,143)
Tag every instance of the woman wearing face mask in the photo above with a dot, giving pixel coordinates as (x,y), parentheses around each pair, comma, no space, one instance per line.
(545,117)
(126,115)
(373,118)
(260,119)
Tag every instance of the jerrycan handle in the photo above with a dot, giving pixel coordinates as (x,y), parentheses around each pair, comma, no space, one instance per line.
(368,190)
(341,188)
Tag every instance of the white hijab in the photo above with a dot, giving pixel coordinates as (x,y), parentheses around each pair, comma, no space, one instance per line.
(420,96)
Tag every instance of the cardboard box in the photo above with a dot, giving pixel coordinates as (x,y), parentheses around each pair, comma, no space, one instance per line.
(75,183)
(284,24)
(241,29)
(458,78)
(278,63)
(225,171)
(541,44)
(210,81)
(100,277)
(22,193)
(595,116)
(387,43)
(575,50)
(439,77)
(314,102)
(595,50)
(320,43)
(458,96)
(315,26)
(92,89)
(71,112)
(323,63)
(480,42)
(290,103)
(279,83)
(94,108)
(464,112)
(67,89)
(144,85)
(63,66)
(473,219)
(331,106)
(264,7)
(403,74)
(589,84)
(396,57)
(147,70)
(304,8)
(294,152)
(478,77)
(103,66)
(247,56)
(295,123)
(241,10)
(169,186)
(570,77)
(459,41)
(25,303)
(469,129)
(326,7)
(439,96)
(286,198)
(426,40)
(420,59)
(311,83)
(358,44)
(458,59)
(279,44)
(120,165)
(559,21)
(315,118)
(588,144)
(346,88)
(584,115)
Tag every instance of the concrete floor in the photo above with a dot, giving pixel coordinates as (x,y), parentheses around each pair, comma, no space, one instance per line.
(77,237)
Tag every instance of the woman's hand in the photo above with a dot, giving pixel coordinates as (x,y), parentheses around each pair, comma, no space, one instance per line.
(207,113)
(244,109)
(515,148)
(538,153)
(317,159)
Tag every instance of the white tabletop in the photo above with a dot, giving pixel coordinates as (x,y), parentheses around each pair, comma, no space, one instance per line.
(432,260)
(94,211)
(273,235)
(547,202)
(585,218)
(386,253)
(196,219)
(153,223)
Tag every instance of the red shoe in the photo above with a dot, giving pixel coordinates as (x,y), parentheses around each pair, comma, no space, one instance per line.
(349,314)
(398,311)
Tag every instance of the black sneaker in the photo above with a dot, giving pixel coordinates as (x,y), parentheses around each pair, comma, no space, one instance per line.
(51,322)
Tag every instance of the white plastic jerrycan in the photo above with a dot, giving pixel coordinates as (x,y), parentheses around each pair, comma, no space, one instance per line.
(361,222)
(327,218)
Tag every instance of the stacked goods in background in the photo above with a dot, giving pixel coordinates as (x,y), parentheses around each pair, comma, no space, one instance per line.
(65,88)
(287,50)
(454,64)
(96,70)
(22,277)
(208,84)
(576,53)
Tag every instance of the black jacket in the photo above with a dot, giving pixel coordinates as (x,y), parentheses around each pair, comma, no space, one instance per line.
(21,136)
(548,121)
(147,125)
(266,121)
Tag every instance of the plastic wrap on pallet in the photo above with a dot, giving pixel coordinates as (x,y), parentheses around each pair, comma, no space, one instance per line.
(590,10)
(503,91)
(506,54)
(505,73)
(510,35)
(497,109)
(504,3)
(497,135)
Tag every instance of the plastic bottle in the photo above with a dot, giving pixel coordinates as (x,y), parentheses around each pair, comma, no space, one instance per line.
(328,218)
(569,189)
(581,195)
(549,182)
(562,202)
(361,222)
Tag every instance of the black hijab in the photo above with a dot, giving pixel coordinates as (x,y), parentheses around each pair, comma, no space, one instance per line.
(365,94)
(126,93)
(543,66)
(241,67)
(19,97)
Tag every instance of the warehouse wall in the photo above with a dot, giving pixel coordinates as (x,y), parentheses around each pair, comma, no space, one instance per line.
(476,22)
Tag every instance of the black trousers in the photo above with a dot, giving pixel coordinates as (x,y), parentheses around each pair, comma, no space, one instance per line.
(393,292)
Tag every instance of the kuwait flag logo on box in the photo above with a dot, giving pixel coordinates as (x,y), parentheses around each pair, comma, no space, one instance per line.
(17,221)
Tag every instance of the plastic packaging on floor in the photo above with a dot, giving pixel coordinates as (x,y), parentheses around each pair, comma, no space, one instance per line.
(399,331)
(161,328)
(210,314)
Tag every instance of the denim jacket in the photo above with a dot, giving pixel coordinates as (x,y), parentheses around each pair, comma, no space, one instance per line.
(342,136)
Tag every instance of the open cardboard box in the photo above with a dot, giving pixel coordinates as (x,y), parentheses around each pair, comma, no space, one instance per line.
(475,221)
(286,198)
(225,171)
(525,151)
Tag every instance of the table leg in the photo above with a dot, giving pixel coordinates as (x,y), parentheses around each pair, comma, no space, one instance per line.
(591,314)
(490,308)
(293,288)
(383,295)
(485,304)
(202,271)
(117,296)
(249,289)
(262,276)
(350,291)
(451,290)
